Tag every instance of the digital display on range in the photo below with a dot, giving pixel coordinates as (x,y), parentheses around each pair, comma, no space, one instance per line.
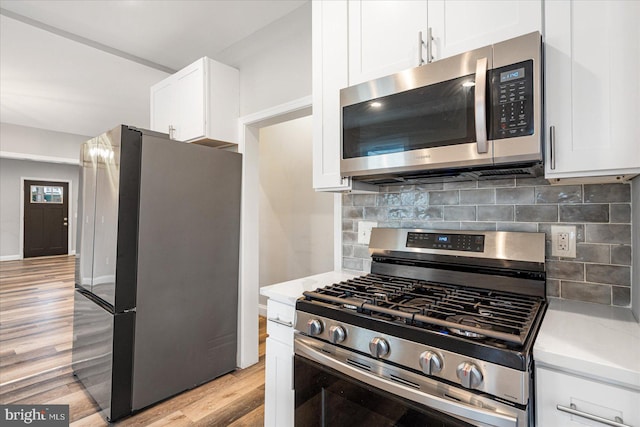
(448,242)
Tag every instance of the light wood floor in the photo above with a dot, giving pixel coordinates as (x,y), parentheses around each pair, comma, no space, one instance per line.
(36,322)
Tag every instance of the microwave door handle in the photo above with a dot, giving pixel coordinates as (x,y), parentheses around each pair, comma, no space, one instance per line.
(480,105)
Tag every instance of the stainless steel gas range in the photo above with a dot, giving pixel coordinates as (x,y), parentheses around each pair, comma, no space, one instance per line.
(440,333)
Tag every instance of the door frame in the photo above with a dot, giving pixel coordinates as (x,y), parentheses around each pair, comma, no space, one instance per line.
(249,287)
(69,207)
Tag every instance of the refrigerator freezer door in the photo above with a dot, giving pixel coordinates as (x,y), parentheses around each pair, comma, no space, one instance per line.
(102,354)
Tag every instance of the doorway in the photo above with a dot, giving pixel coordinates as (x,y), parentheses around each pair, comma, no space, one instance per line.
(46,218)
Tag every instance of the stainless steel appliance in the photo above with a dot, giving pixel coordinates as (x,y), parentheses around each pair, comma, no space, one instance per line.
(476,115)
(156,298)
(440,333)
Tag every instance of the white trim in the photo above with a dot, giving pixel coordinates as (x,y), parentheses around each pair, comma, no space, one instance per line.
(262,309)
(69,210)
(337,232)
(248,302)
(38,158)
(10,258)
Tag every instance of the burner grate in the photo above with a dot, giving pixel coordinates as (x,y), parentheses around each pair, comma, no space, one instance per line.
(474,313)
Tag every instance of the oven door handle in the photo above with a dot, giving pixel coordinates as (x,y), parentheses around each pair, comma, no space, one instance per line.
(446,406)
(480,105)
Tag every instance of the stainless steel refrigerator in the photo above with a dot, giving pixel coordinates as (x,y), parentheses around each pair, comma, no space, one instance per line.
(156,294)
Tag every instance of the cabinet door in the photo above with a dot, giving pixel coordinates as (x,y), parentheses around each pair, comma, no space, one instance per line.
(330,74)
(384,37)
(591,397)
(592,90)
(278,393)
(189,109)
(162,105)
(459,26)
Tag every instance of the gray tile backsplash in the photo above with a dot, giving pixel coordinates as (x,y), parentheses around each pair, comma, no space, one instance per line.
(600,273)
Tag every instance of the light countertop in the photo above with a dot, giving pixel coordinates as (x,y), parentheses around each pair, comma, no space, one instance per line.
(591,340)
(289,292)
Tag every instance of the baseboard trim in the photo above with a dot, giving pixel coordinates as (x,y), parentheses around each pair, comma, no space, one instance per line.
(10,257)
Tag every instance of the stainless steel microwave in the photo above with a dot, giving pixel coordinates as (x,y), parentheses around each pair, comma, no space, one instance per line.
(477,115)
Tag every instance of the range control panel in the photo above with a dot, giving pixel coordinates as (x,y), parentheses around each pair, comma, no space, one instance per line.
(446,241)
(512,101)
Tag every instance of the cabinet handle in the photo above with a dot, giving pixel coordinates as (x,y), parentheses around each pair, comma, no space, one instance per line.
(552,146)
(171,130)
(280,322)
(428,44)
(573,411)
(420,45)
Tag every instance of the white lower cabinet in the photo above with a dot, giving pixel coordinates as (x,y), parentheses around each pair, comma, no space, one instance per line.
(278,396)
(557,393)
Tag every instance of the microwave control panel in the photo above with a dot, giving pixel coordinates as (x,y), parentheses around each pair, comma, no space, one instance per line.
(512,101)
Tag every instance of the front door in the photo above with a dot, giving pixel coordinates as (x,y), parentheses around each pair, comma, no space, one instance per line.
(46,218)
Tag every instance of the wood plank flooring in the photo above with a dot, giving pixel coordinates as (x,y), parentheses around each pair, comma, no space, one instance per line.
(36,326)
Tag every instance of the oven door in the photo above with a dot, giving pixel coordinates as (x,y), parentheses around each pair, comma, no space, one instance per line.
(337,387)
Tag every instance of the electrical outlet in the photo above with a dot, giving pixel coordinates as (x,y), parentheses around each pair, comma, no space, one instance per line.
(364,231)
(563,241)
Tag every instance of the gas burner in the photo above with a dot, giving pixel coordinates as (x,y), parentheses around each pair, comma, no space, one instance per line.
(418,302)
(466,320)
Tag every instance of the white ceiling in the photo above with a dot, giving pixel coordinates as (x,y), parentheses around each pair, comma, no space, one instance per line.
(52,76)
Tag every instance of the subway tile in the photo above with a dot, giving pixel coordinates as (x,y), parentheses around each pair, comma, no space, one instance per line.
(592,253)
(396,188)
(515,196)
(400,213)
(449,197)
(350,212)
(347,250)
(607,193)
(347,199)
(492,183)
(621,255)
(348,225)
(415,224)
(529,227)
(421,198)
(364,199)
(349,237)
(621,296)
(375,214)
(537,213)
(609,274)
(478,197)
(608,233)
(366,265)
(428,213)
(459,213)
(407,199)
(559,194)
(478,225)
(460,184)
(584,213)
(565,270)
(525,182)
(355,264)
(495,213)
(588,292)
(620,213)
(361,251)
(389,199)
(553,288)
(432,225)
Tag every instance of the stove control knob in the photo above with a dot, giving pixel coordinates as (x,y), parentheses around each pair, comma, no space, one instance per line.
(469,375)
(379,347)
(314,327)
(431,363)
(337,334)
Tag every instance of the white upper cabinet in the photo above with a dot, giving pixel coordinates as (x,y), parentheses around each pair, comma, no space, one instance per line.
(462,25)
(592,88)
(199,103)
(384,37)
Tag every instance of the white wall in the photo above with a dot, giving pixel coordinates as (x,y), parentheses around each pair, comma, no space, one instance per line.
(11,172)
(40,142)
(274,62)
(296,223)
